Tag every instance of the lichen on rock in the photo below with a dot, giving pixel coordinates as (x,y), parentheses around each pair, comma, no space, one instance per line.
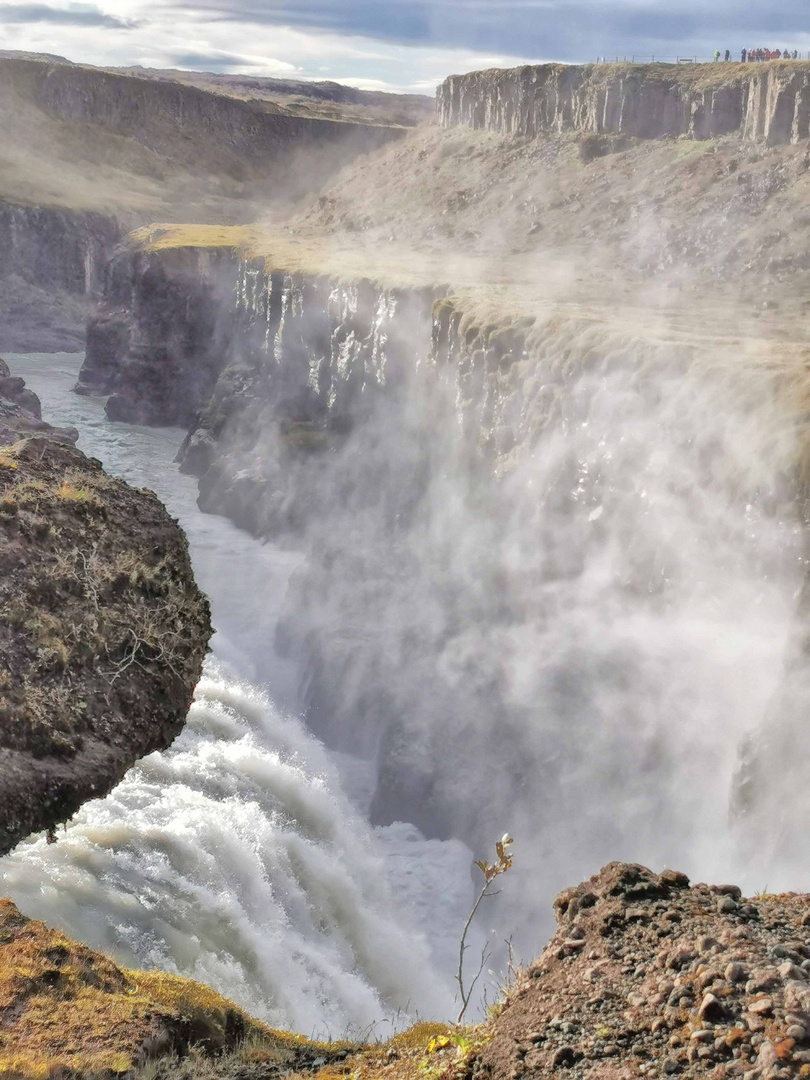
(102,628)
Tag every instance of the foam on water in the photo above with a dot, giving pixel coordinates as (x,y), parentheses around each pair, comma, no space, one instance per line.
(234,858)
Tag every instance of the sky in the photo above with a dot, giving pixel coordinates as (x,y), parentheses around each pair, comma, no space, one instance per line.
(391,44)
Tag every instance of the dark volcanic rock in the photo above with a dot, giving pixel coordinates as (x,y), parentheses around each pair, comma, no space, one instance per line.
(52,266)
(161,341)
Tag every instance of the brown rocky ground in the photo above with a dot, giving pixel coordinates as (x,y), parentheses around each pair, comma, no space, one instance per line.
(645,976)
(649,976)
(102,628)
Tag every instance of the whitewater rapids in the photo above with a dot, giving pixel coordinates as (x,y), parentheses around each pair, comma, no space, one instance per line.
(241,856)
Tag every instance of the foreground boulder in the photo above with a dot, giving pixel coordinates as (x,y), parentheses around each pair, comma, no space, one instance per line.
(102,628)
(649,976)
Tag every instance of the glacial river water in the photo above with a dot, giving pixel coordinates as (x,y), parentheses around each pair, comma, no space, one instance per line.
(241,856)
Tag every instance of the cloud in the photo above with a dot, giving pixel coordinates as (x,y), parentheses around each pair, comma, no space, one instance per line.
(573,30)
(224,62)
(71,15)
(398,44)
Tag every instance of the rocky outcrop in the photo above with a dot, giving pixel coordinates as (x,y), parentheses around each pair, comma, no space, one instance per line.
(52,266)
(764,102)
(102,628)
(648,975)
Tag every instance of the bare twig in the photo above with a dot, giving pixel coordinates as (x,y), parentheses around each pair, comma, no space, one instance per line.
(490,873)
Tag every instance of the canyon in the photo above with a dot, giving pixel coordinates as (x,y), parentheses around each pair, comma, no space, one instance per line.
(525,392)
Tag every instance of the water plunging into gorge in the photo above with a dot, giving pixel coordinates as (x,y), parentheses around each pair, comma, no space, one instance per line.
(235,857)
(576,652)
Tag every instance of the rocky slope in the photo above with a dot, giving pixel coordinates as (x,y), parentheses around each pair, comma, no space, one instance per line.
(103,630)
(649,976)
(645,975)
(764,102)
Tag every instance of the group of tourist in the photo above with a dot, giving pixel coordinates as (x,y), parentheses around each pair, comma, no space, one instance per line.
(753,55)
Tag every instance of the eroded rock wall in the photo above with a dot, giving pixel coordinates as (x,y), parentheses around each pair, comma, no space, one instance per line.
(52,267)
(508,524)
(767,102)
(163,334)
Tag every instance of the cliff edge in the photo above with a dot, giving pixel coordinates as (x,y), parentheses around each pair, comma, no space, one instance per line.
(102,628)
(762,102)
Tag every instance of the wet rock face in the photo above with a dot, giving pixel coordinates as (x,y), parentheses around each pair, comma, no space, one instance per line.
(52,265)
(759,102)
(649,976)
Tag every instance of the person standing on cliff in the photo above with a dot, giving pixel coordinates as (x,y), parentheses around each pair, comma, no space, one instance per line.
(728,55)
(716,55)
(743,56)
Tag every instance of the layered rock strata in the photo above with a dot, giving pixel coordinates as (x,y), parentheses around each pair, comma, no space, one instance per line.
(162,338)
(762,102)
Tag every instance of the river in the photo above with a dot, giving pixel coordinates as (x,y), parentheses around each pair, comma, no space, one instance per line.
(241,856)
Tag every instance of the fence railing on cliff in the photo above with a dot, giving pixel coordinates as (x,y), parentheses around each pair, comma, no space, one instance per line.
(634,58)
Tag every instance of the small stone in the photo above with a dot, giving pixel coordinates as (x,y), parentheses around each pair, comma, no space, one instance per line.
(767,1056)
(536,1037)
(789,970)
(675,879)
(671,1066)
(726,905)
(705,943)
(703,1035)
(565,1057)
(797,1032)
(735,972)
(710,1009)
(761,1007)
(734,891)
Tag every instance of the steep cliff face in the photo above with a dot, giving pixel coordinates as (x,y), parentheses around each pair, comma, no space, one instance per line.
(485,588)
(52,266)
(161,340)
(103,630)
(120,122)
(763,102)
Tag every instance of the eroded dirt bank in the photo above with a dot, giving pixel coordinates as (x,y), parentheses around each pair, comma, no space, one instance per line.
(103,630)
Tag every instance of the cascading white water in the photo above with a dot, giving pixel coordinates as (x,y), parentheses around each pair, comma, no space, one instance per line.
(235,857)
(581,647)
